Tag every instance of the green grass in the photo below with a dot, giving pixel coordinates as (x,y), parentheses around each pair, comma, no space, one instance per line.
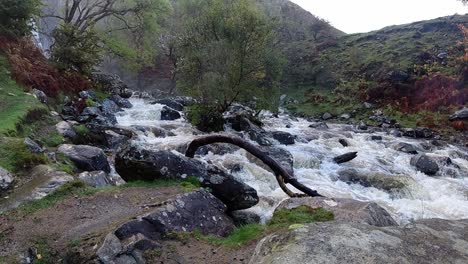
(15,157)
(81,130)
(44,252)
(14,102)
(53,140)
(300,215)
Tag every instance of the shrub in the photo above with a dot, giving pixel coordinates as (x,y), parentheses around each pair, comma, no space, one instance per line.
(205,118)
(16,17)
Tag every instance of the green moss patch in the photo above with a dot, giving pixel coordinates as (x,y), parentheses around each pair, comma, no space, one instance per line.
(15,157)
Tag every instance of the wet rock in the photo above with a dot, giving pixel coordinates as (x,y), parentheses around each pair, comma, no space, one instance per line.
(86,157)
(405,147)
(282,156)
(109,107)
(6,179)
(255,132)
(217,149)
(418,132)
(243,217)
(346,116)
(284,138)
(319,125)
(40,95)
(327,116)
(375,179)
(460,115)
(343,142)
(113,84)
(434,240)
(95,179)
(362,126)
(425,164)
(170,103)
(168,113)
(32,146)
(114,140)
(134,164)
(65,129)
(376,138)
(345,210)
(345,157)
(121,102)
(395,133)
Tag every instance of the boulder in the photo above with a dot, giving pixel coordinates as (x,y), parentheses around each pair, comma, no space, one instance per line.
(87,94)
(345,210)
(121,102)
(375,179)
(405,147)
(32,146)
(170,103)
(376,138)
(319,125)
(244,217)
(346,116)
(40,95)
(327,116)
(395,133)
(109,107)
(282,156)
(343,142)
(284,138)
(195,211)
(256,133)
(460,115)
(86,157)
(362,126)
(418,132)
(168,113)
(114,140)
(95,179)
(424,241)
(6,179)
(425,164)
(65,129)
(134,164)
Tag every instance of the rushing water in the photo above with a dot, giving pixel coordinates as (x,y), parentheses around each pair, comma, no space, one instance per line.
(444,196)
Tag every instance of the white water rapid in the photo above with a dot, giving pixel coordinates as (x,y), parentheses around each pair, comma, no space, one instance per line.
(442,196)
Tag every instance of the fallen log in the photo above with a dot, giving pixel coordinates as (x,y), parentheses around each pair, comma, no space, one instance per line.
(345,157)
(282,176)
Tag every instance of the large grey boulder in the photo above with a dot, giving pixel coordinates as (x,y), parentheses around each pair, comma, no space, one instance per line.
(425,241)
(85,157)
(461,114)
(109,107)
(121,102)
(96,179)
(133,163)
(240,122)
(5,179)
(198,210)
(375,179)
(66,129)
(424,164)
(345,210)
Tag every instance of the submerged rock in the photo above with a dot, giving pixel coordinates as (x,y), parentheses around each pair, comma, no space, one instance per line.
(425,164)
(405,147)
(424,241)
(284,138)
(345,210)
(319,125)
(86,157)
(375,179)
(134,164)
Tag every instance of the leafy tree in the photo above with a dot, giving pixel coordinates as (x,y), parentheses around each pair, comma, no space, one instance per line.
(16,17)
(224,54)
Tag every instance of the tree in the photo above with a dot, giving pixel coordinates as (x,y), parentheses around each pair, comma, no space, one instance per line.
(16,17)
(224,53)
(126,28)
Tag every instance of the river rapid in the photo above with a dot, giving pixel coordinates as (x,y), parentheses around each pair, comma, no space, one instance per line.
(444,195)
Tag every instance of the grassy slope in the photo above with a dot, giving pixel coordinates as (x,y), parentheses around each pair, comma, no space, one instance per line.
(14,102)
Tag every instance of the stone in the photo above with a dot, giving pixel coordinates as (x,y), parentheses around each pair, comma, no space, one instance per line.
(109,107)
(284,138)
(362,126)
(395,133)
(319,125)
(425,164)
(375,179)
(69,110)
(327,116)
(121,102)
(405,147)
(346,116)
(244,217)
(343,142)
(40,95)
(460,115)
(33,146)
(95,179)
(418,132)
(87,94)
(424,241)
(345,210)
(6,179)
(240,122)
(168,113)
(376,138)
(133,163)
(65,129)
(368,105)
(86,157)
(114,140)
(170,103)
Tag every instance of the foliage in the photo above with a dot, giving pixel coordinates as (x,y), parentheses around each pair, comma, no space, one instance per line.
(30,68)
(81,130)
(205,118)
(53,140)
(16,17)
(224,53)
(15,156)
(75,50)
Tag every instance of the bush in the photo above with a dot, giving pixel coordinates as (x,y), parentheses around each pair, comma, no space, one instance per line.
(16,17)
(206,118)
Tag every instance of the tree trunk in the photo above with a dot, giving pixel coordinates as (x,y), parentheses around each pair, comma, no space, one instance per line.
(282,176)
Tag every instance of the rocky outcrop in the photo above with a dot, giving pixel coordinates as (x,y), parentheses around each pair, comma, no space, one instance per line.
(375,179)
(5,179)
(345,210)
(284,138)
(198,210)
(95,179)
(425,241)
(425,164)
(168,113)
(134,164)
(86,157)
